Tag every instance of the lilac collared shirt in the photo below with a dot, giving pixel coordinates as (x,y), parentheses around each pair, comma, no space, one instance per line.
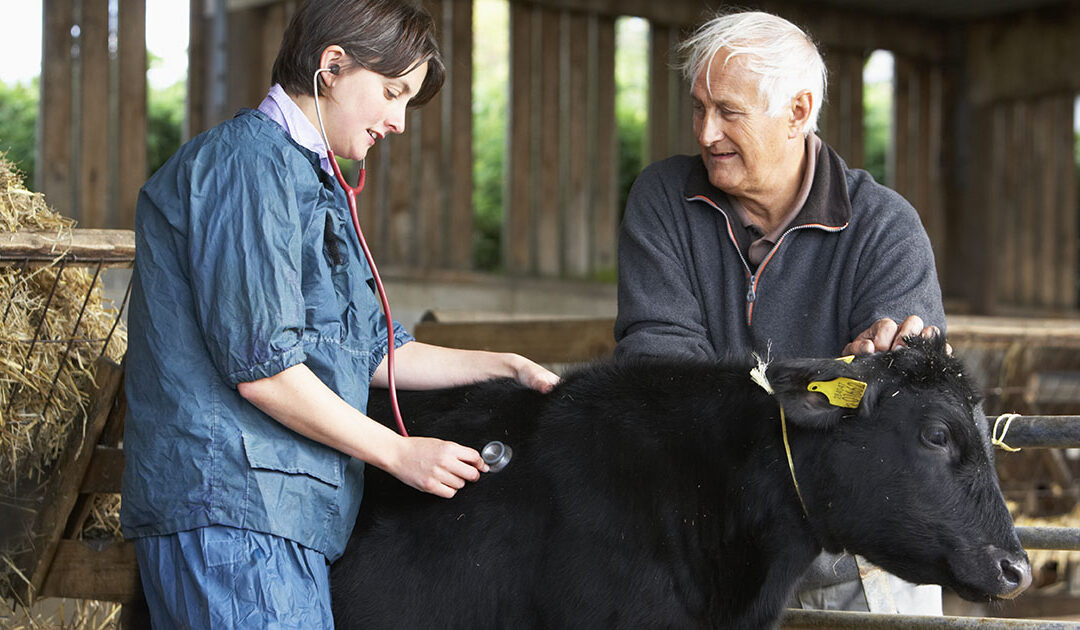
(280,107)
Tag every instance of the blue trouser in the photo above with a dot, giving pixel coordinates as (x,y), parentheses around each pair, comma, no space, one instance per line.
(222,577)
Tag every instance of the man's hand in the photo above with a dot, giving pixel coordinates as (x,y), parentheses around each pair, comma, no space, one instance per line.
(884,334)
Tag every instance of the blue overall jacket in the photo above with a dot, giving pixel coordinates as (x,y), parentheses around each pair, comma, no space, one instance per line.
(246,264)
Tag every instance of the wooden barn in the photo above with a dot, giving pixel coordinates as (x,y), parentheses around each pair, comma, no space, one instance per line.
(983,124)
(983,145)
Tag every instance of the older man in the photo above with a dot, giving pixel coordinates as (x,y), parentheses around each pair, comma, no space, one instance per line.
(768,242)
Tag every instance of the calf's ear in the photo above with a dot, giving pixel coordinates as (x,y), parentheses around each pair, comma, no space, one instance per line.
(816,393)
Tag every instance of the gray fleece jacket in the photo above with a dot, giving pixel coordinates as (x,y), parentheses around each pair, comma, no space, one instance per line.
(855,253)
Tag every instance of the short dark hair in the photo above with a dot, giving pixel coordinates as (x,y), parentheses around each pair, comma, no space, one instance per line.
(389,37)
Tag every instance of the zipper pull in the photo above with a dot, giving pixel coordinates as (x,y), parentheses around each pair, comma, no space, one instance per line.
(750,295)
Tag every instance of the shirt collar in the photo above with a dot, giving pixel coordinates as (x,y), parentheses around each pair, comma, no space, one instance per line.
(813,145)
(280,108)
(826,204)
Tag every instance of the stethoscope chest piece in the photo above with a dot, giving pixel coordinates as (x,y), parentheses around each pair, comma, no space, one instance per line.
(496,455)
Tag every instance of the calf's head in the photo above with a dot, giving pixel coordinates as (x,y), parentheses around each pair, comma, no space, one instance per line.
(906,476)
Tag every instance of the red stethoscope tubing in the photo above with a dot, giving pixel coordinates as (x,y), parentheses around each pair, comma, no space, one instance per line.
(350,195)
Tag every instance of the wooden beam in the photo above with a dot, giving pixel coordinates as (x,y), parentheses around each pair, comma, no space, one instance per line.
(842,117)
(605,216)
(132,114)
(1020,56)
(93,199)
(552,89)
(105,471)
(80,572)
(115,247)
(402,197)
(835,28)
(110,476)
(430,196)
(518,217)
(577,208)
(55,176)
(659,92)
(63,488)
(195,122)
(460,133)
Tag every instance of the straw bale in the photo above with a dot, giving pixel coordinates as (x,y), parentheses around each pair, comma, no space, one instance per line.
(54,322)
(38,346)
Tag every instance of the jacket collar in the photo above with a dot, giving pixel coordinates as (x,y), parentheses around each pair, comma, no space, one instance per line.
(827,205)
(314,158)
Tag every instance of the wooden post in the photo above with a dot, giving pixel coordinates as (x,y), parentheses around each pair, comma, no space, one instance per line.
(659,93)
(55,177)
(430,195)
(459,169)
(195,122)
(549,234)
(63,489)
(93,200)
(577,208)
(518,221)
(605,215)
(842,118)
(132,115)
(918,147)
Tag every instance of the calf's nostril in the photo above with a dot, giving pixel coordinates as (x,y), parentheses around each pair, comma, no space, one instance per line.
(1016,575)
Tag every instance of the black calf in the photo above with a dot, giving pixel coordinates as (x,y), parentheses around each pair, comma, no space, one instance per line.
(658,494)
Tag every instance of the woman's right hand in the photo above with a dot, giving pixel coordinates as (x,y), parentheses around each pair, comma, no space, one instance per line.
(435,466)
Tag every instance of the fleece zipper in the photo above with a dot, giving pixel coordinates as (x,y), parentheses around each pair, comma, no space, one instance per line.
(752,278)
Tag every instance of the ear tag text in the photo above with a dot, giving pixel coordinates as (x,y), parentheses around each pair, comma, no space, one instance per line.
(841,392)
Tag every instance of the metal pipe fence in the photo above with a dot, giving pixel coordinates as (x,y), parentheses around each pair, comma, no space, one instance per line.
(837,620)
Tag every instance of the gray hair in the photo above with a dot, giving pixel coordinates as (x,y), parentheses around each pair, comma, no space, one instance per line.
(779,52)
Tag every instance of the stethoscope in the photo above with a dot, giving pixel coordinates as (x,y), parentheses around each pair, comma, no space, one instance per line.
(350,195)
(496,454)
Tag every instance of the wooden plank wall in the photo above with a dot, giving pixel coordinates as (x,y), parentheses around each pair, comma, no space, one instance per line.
(671,124)
(93,111)
(918,162)
(1018,219)
(560,215)
(416,209)
(1030,202)
(840,122)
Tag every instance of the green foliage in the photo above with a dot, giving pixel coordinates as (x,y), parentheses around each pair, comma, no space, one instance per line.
(877,117)
(491,89)
(18,127)
(631,93)
(491,55)
(165,124)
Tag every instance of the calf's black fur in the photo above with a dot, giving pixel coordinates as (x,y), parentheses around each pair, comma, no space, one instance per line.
(653,494)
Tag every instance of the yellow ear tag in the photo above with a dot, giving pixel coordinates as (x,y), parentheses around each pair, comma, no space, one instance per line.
(848,359)
(841,392)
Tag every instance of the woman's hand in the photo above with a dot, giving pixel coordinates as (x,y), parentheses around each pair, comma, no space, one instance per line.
(530,374)
(296,398)
(434,466)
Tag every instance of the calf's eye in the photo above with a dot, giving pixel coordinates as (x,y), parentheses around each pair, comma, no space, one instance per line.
(937,436)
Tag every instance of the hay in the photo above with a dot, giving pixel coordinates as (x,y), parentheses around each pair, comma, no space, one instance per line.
(54,323)
(62,614)
(43,340)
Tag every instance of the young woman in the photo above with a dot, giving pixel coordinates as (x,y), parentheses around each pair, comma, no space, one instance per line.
(254,335)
